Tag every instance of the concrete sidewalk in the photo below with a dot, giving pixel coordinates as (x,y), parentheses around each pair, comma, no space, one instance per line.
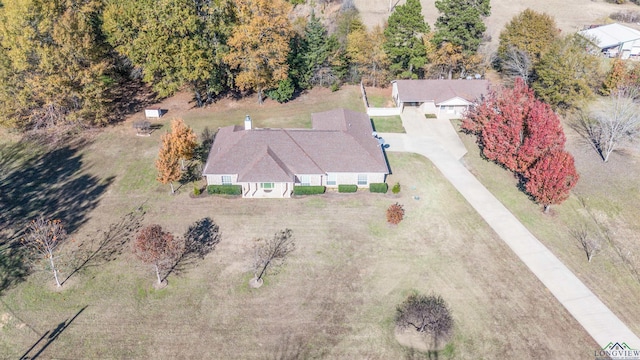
(596,318)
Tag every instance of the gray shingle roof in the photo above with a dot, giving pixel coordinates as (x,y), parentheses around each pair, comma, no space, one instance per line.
(439,91)
(340,141)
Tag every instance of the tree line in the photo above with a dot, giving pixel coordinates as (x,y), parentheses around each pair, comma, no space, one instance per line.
(68,61)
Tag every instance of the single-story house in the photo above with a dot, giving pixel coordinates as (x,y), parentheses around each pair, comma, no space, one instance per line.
(440,97)
(340,148)
(614,40)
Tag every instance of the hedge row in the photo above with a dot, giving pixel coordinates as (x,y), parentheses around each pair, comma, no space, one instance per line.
(225,189)
(378,188)
(308,190)
(347,188)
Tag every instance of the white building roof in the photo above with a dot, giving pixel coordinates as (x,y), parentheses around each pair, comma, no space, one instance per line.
(607,36)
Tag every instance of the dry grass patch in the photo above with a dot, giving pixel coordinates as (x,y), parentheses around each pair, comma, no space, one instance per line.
(334,298)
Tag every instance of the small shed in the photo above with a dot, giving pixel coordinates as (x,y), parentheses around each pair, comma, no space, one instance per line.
(153,113)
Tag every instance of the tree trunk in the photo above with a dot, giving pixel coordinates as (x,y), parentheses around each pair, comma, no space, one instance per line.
(158,274)
(546,208)
(171,184)
(450,75)
(53,268)
(264,268)
(260,100)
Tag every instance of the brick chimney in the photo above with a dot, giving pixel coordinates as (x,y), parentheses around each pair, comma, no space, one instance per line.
(247,122)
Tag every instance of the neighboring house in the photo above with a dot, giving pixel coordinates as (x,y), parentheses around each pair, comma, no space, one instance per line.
(450,98)
(339,149)
(614,40)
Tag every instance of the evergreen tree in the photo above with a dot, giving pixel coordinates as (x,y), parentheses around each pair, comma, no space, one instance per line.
(567,73)
(461,23)
(316,50)
(403,40)
(174,42)
(531,32)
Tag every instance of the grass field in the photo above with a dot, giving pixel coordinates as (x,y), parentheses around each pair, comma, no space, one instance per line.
(334,298)
(604,201)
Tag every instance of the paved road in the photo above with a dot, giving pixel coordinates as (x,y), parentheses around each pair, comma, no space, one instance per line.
(602,324)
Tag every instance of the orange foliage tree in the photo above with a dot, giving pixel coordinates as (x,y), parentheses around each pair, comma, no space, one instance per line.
(184,140)
(168,162)
(259,44)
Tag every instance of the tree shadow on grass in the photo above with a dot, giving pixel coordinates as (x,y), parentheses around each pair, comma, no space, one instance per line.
(34,181)
(49,337)
(200,239)
(107,245)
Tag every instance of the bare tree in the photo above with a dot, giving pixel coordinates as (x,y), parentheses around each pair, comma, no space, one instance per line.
(271,252)
(516,63)
(618,121)
(43,238)
(588,242)
(159,248)
(426,314)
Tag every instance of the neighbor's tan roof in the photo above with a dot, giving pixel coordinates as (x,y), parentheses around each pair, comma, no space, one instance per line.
(340,141)
(439,91)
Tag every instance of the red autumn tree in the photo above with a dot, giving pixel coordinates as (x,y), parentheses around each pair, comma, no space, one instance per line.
(543,133)
(395,214)
(513,128)
(499,122)
(159,248)
(551,178)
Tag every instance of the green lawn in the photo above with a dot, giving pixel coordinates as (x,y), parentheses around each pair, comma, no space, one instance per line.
(390,124)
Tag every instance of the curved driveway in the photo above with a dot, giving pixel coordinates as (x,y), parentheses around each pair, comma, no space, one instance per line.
(444,151)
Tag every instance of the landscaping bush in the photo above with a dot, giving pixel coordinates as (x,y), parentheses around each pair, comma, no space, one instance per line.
(395,214)
(196,191)
(378,188)
(347,188)
(431,116)
(224,189)
(308,190)
(396,188)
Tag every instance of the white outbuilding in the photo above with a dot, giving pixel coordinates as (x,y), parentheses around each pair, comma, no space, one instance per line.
(614,40)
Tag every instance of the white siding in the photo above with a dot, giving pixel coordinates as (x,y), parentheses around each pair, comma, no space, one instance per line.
(352,179)
(314,179)
(217,179)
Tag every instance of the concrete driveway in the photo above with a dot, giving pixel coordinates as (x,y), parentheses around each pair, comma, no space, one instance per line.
(435,140)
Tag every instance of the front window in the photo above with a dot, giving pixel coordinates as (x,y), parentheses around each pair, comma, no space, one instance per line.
(226,180)
(332,179)
(267,186)
(362,179)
